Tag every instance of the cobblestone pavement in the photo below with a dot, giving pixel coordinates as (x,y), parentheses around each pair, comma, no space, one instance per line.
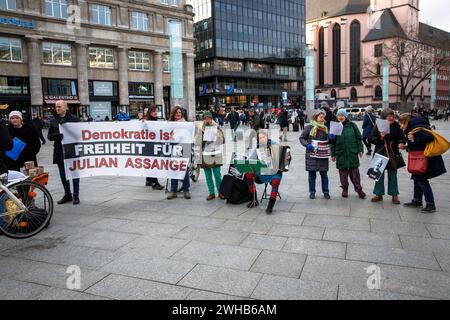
(131,243)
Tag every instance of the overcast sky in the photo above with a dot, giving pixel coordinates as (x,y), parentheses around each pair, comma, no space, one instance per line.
(435,13)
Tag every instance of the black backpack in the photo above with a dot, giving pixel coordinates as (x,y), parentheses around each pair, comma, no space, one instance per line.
(235,190)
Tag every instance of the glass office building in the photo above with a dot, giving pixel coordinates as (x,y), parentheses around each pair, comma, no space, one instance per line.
(249,52)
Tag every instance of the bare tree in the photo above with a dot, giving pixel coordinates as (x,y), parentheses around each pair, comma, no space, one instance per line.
(412,61)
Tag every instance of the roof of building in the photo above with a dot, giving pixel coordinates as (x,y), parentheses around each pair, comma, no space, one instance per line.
(386,27)
(318,9)
(434,37)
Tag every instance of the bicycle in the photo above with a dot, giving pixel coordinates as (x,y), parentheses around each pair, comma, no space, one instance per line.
(26,207)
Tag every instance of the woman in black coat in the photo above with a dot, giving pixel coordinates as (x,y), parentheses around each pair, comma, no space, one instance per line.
(152,115)
(391,141)
(435,168)
(29,135)
(6,144)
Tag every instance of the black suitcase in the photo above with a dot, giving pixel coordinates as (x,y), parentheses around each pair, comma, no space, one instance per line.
(296,127)
(235,190)
(226,188)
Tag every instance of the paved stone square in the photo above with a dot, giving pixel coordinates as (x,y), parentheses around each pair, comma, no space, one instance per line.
(131,243)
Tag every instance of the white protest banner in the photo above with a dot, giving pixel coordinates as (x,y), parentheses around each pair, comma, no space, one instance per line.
(336,128)
(137,149)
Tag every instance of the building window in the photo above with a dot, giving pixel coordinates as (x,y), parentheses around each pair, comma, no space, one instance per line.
(353,95)
(378,93)
(336,54)
(57,53)
(10,50)
(166,2)
(101,15)
(59,87)
(355,52)
(333,94)
(13,86)
(378,48)
(101,58)
(140,21)
(378,69)
(8,5)
(174,3)
(166,62)
(321,58)
(56,8)
(139,61)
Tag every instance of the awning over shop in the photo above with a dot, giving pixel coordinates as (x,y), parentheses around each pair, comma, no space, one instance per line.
(67,101)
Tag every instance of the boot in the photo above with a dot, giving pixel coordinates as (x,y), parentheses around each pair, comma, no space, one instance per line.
(187,195)
(344,192)
(270,205)
(148,182)
(76,200)
(253,204)
(172,195)
(395,200)
(157,186)
(430,208)
(377,199)
(361,194)
(66,199)
(312,195)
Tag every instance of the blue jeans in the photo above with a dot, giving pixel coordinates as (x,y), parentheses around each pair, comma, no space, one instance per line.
(312,181)
(66,183)
(422,188)
(186,183)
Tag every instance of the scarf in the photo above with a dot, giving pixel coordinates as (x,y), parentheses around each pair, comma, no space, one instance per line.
(316,127)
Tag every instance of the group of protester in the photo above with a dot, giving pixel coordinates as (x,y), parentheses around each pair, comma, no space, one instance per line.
(345,150)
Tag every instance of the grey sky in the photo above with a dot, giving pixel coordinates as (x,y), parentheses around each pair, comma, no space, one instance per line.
(435,13)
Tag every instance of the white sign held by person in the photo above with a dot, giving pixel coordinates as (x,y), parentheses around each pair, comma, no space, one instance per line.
(137,149)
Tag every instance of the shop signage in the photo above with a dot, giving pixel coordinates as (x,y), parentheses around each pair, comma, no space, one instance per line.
(142,97)
(18,23)
(103,89)
(60,97)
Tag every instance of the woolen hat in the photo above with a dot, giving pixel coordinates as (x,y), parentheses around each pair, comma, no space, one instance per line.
(342,112)
(317,113)
(15,114)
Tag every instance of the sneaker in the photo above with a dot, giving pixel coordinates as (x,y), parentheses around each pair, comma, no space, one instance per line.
(413,204)
(312,195)
(377,199)
(327,196)
(172,195)
(76,200)
(187,195)
(66,199)
(429,208)
(395,200)
(211,197)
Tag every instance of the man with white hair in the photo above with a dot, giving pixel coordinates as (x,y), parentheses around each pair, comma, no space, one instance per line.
(63,116)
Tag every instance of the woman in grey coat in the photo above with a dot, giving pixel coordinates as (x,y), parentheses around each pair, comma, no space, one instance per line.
(315,139)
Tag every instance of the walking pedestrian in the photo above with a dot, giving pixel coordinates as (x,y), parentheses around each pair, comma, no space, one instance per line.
(302,118)
(233,120)
(178,116)
(28,134)
(152,115)
(316,131)
(284,124)
(368,124)
(210,157)
(386,144)
(38,123)
(63,116)
(344,151)
(435,165)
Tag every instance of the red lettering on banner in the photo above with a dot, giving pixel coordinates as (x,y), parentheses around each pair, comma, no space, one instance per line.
(129,163)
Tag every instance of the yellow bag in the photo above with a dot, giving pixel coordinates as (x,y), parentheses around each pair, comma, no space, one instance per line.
(437,147)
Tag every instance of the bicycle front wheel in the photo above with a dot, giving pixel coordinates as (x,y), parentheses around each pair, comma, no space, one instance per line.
(21,224)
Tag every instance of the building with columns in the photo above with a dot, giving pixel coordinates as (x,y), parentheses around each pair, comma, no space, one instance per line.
(101,56)
(347,38)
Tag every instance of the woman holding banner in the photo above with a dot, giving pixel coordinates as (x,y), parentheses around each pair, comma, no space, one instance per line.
(152,115)
(63,116)
(386,144)
(178,116)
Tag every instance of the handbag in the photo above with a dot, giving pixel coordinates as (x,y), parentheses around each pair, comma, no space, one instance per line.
(396,160)
(437,147)
(417,163)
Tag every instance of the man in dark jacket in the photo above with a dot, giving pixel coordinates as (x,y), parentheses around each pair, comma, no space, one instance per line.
(39,125)
(435,165)
(284,124)
(63,116)
(233,120)
(6,144)
(368,124)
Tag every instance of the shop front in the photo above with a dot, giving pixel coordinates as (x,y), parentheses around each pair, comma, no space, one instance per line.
(14,95)
(141,96)
(104,100)
(60,89)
